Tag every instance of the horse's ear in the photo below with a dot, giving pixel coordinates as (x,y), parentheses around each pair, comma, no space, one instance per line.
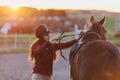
(102,21)
(92,19)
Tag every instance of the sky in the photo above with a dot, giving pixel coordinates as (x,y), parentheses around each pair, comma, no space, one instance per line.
(109,5)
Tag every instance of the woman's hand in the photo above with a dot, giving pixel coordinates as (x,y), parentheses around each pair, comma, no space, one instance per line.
(59,37)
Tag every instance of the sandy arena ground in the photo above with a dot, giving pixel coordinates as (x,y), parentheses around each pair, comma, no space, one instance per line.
(16,67)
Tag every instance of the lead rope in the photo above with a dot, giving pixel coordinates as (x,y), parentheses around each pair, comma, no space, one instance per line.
(76,42)
(60,42)
(61,50)
(55,40)
(29,76)
(62,54)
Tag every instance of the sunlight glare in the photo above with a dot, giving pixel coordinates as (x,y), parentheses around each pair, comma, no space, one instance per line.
(109,5)
(14,7)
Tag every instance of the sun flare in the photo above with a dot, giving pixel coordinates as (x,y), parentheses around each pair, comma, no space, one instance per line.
(109,5)
(14,7)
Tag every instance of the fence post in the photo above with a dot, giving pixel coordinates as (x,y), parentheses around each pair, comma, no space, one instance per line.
(76,31)
(15,40)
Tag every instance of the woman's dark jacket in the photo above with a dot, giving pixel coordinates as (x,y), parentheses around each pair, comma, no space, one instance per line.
(43,53)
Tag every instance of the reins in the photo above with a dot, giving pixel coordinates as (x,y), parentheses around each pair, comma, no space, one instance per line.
(60,49)
(59,41)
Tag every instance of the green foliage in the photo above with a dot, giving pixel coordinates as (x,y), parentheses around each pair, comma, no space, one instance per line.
(113,39)
(109,24)
(110,27)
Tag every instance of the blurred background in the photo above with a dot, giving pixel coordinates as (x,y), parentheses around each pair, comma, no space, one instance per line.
(17,25)
(19,18)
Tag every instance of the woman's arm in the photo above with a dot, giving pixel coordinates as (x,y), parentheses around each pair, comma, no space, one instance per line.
(67,44)
(58,46)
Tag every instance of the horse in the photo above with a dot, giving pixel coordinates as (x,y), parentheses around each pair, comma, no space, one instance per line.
(94,58)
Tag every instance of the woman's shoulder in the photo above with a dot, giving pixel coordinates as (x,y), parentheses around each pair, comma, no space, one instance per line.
(34,43)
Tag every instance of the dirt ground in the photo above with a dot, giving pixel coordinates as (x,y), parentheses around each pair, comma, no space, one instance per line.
(17,67)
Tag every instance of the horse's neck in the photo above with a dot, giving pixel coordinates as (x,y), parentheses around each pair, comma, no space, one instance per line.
(89,36)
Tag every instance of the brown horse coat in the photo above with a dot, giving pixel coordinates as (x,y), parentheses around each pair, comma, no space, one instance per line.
(96,60)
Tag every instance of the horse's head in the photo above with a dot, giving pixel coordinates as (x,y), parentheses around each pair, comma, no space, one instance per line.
(97,26)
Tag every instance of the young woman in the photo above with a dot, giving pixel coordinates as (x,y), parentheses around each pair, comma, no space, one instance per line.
(43,52)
